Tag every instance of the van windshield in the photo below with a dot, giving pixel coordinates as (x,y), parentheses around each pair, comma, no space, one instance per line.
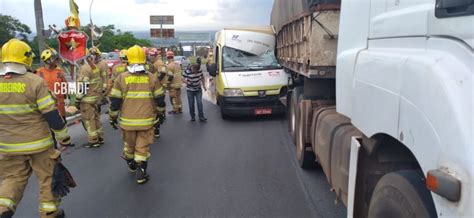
(238,60)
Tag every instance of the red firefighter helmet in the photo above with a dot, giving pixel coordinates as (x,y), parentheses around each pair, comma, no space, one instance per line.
(152,52)
(169,54)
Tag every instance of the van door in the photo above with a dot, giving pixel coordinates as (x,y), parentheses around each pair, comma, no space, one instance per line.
(220,77)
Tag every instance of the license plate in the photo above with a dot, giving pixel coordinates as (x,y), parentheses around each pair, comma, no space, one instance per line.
(263,111)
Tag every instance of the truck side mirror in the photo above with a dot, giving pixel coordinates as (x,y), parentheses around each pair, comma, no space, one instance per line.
(212,69)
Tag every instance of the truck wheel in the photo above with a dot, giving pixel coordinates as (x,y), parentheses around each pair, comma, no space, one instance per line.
(294,112)
(401,194)
(306,159)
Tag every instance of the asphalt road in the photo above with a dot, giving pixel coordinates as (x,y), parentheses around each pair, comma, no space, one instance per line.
(242,167)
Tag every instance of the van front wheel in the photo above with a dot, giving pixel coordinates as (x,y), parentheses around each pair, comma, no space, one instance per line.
(224,115)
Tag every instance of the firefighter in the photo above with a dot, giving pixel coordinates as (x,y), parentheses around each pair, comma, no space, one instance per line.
(89,101)
(118,69)
(105,74)
(27,114)
(138,97)
(54,77)
(157,67)
(175,83)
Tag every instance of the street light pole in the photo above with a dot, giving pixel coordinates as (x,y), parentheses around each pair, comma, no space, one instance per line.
(161,32)
(92,25)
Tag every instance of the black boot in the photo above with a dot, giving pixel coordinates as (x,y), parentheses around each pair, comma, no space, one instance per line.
(57,214)
(91,145)
(142,176)
(132,165)
(157,132)
(7,214)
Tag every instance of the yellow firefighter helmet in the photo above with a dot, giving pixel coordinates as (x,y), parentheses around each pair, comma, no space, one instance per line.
(94,51)
(49,55)
(136,55)
(16,51)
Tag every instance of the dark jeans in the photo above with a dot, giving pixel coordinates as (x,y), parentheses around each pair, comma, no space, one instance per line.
(198,96)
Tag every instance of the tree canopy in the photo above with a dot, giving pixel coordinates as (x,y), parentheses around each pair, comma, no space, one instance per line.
(11,27)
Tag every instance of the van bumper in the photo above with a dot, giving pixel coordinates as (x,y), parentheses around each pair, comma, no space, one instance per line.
(240,106)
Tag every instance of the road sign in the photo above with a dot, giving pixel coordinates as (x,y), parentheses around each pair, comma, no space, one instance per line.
(165,20)
(72,45)
(157,33)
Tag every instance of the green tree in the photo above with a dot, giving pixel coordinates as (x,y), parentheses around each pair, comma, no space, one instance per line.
(115,39)
(11,27)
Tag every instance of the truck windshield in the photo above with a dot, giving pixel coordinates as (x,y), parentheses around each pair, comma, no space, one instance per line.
(238,60)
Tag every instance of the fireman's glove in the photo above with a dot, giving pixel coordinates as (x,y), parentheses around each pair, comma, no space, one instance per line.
(161,118)
(62,181)
(113,122)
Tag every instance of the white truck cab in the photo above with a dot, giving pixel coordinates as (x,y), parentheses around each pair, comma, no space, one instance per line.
(405,69)
(397,138)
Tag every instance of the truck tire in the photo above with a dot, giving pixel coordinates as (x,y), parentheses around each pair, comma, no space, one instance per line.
(293,111)
(306,158)
(288,103)
(401,194)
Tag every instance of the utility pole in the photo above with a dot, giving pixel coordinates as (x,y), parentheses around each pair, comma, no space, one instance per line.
(39,24)
(161,32)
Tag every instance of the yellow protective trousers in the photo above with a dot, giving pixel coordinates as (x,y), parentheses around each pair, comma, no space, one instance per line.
(15,170)
(175,95)
(137,144)
(91,119)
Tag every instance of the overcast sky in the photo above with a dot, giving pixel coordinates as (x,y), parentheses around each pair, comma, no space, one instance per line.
(133,15)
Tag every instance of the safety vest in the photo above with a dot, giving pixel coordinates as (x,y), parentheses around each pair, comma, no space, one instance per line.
(24,98)
(138,92)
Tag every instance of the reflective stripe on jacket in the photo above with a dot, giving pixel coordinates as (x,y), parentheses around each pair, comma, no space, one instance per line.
(23,101)
(137,92)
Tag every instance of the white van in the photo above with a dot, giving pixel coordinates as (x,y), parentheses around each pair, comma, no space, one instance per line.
(249,80)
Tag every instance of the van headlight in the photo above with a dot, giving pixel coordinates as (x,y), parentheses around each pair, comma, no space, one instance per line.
(233,92)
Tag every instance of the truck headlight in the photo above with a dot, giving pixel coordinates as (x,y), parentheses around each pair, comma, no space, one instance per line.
(233,92)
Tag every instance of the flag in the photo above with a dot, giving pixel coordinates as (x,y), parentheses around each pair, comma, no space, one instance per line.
(74,8)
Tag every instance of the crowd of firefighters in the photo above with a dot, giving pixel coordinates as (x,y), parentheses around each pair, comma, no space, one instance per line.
(33,126)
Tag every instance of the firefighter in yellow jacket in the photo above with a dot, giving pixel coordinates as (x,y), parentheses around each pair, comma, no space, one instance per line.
(157,69)
(136,99)
(118,69)
(89,100)
(175,79)
(27,113)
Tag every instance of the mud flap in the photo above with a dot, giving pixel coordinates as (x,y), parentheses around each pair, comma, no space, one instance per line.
(354,156)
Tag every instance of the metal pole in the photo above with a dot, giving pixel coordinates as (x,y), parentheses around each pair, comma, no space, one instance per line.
(92,25)
(161,32)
